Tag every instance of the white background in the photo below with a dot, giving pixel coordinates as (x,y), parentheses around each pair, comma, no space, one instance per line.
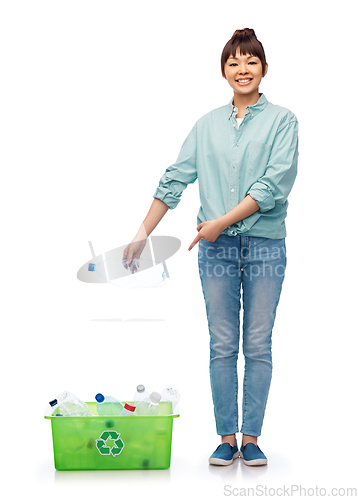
(96,101)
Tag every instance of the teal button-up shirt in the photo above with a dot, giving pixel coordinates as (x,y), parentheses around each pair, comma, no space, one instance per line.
(230,161)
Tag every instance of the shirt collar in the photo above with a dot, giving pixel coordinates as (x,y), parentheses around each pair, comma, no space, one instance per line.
(254,110)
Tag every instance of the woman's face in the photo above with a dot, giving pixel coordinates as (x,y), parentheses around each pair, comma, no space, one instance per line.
(244,73)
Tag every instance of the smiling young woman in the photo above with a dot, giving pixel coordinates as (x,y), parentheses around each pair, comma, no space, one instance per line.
(243,65)
(244,155)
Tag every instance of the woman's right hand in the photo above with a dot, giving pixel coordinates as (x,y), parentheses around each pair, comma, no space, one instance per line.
(132,253)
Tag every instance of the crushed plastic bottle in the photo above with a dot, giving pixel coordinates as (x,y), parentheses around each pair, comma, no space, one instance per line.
(172,396)
(140,394)
(68,405)
(108,405)
(128,410)
(149,406)
(53,409)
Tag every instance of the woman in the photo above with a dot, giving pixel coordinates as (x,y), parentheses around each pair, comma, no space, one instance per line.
(244,155)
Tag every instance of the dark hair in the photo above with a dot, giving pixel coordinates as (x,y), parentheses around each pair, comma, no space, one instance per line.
(248,43)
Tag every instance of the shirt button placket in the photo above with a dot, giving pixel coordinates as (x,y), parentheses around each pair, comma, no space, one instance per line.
(234,172)
(233,177)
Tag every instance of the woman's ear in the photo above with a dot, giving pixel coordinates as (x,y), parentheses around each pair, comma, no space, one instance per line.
(266,69)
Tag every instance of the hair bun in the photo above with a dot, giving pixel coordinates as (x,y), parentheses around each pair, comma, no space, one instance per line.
(244,32)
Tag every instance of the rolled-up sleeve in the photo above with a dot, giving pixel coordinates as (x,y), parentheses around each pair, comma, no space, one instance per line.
(276,183)
(177,176)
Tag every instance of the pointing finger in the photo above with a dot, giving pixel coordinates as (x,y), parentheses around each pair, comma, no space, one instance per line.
(194,242)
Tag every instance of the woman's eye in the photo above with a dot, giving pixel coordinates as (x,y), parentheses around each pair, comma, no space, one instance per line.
(235,64)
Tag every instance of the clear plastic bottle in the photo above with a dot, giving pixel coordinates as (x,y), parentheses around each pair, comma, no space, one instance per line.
(53,409)
(172,396)
(108,406)
(155,398)
(149,406)
(128,410)
(140,394)
(68,405)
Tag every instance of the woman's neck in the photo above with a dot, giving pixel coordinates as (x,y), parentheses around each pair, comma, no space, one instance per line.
(242,101)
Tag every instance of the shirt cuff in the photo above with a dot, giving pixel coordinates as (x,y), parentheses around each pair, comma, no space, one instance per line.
(166,197)
(263,197)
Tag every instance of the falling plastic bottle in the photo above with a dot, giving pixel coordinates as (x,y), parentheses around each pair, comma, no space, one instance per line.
(140,394)
(108,406)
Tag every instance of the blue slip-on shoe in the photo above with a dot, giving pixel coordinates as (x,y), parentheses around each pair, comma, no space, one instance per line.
(224,454)
(252,455)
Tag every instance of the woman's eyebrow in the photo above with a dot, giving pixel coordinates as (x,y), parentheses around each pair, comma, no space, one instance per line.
(248,57)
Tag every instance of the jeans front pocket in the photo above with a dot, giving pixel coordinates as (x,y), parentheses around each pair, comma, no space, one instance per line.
(258,155)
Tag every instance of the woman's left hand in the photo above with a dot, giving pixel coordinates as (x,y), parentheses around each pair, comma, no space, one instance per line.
(208,230)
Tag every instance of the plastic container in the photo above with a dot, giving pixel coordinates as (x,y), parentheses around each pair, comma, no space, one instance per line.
(113,443)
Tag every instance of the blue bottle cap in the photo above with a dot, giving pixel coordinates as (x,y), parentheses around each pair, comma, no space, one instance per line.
(99,398)
(53,402)
(91,267)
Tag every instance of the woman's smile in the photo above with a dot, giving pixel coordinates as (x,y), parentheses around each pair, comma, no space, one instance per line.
(244,81)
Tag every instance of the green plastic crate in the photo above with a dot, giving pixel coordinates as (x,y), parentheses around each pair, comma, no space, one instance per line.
(113,443)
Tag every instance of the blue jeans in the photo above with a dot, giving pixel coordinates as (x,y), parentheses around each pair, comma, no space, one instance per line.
(258,265)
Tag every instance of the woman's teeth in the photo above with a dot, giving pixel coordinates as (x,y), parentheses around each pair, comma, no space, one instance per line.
(244,82)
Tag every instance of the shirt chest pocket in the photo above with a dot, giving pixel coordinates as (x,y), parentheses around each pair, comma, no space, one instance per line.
(258,156)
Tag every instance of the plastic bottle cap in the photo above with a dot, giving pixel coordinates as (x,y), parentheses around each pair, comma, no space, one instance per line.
(155,397)
(99,398)
(140,388)
(53,402)
(129,407)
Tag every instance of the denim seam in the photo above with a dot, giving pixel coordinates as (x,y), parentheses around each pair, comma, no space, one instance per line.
(244,381)
(244,400)
(238,350)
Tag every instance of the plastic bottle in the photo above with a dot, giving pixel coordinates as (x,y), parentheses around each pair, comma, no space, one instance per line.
(140,394)
(108,405)
(53,409)
(128,410)
(68,405)
(149,406)
(155,398)
(172,396)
